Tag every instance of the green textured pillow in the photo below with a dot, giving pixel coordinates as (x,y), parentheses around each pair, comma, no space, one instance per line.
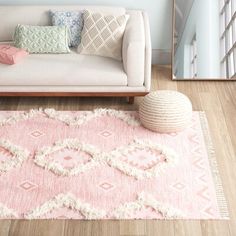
(42,39)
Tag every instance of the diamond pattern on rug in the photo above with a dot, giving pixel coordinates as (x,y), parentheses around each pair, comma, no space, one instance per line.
(36,134)
(143,159)
(61,167)
(179,186)
(155,159)
(27,185)
(106,134)
(69,158)
(106,186)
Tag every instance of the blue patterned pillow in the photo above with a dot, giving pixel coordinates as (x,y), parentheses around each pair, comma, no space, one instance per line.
(73,20)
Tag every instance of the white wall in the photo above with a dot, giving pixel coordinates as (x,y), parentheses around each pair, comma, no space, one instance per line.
(204,21)
(160,13)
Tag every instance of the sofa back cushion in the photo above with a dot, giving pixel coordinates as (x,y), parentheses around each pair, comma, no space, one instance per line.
(102,35)
(11,16)
(42,39)
(73,20)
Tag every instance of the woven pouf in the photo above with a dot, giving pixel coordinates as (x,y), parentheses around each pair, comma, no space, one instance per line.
(165,111)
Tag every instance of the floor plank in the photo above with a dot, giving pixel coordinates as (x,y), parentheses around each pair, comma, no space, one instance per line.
(130,228)
(4,227)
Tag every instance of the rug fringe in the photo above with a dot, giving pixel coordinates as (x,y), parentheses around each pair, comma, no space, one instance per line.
(222,203)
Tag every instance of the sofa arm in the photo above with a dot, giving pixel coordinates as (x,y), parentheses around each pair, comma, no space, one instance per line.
(133,50)
(148,53)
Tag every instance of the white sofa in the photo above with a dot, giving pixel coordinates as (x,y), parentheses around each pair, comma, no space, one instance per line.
(74,74)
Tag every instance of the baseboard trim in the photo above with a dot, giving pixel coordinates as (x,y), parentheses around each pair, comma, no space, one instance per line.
(161,57)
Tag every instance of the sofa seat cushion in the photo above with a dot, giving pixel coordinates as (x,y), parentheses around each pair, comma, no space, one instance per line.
(64,69)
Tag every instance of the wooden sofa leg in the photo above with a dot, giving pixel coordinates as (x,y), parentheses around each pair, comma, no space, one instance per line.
(131,100)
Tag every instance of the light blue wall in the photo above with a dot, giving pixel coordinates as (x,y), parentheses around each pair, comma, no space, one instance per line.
(160,13)
(203,21)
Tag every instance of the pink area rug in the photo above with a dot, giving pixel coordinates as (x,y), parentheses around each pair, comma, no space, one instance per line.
(103,164)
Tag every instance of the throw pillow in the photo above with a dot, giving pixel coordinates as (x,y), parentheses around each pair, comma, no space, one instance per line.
(103,34)
(11,55)
(42,39)
(74,21)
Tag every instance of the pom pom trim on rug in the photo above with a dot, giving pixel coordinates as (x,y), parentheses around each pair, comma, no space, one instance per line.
(90,213)
(6,212)
(69,201)
(41,159)
(87,116)
(206,201)
(70,120)
(19,155)
(147,200)
(110,158)
(171,159)
(19,117)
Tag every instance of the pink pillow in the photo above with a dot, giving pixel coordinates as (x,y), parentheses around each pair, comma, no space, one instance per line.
(11,55)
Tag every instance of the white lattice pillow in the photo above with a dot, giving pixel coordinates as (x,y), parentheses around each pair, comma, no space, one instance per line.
(103,34)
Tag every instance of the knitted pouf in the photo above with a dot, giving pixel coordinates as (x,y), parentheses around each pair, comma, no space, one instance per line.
(165,111)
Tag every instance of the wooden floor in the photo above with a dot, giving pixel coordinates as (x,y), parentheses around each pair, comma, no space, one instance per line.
(217,99)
